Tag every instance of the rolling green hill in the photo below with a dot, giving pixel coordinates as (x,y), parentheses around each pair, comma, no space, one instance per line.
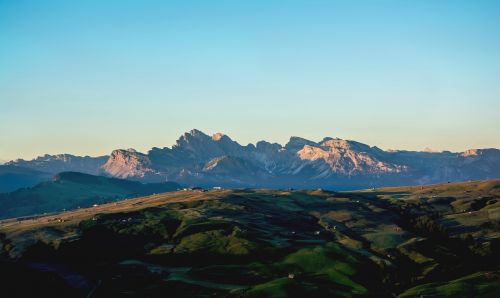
(387,242)
(71,190)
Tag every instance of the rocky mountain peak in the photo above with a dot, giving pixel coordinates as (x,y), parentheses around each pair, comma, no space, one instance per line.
(470,152)
(217,136)
(191,137)
(124,153)
(125,163)
(297,143)
(346,158)
(266,146)
(196,133)
(309,152)
(336,144)
(131,158)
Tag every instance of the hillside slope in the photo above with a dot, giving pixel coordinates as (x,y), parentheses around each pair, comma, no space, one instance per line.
(266,243)
(69,190)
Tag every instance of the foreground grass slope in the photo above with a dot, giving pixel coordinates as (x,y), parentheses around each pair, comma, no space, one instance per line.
(480,284)
(264,243)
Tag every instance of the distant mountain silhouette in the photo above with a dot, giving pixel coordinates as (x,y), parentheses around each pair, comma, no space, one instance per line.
(62,163)
(14,177)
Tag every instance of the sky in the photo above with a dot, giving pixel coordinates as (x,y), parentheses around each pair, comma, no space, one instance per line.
(87,77)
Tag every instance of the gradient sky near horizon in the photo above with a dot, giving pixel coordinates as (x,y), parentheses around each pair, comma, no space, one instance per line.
(87,77)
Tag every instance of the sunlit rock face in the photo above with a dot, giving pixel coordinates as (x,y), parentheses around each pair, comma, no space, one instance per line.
(127,163)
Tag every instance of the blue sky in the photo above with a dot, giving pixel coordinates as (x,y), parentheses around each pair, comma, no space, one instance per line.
(87,77)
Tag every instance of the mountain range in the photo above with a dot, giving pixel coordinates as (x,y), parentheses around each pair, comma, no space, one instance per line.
(199,159)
